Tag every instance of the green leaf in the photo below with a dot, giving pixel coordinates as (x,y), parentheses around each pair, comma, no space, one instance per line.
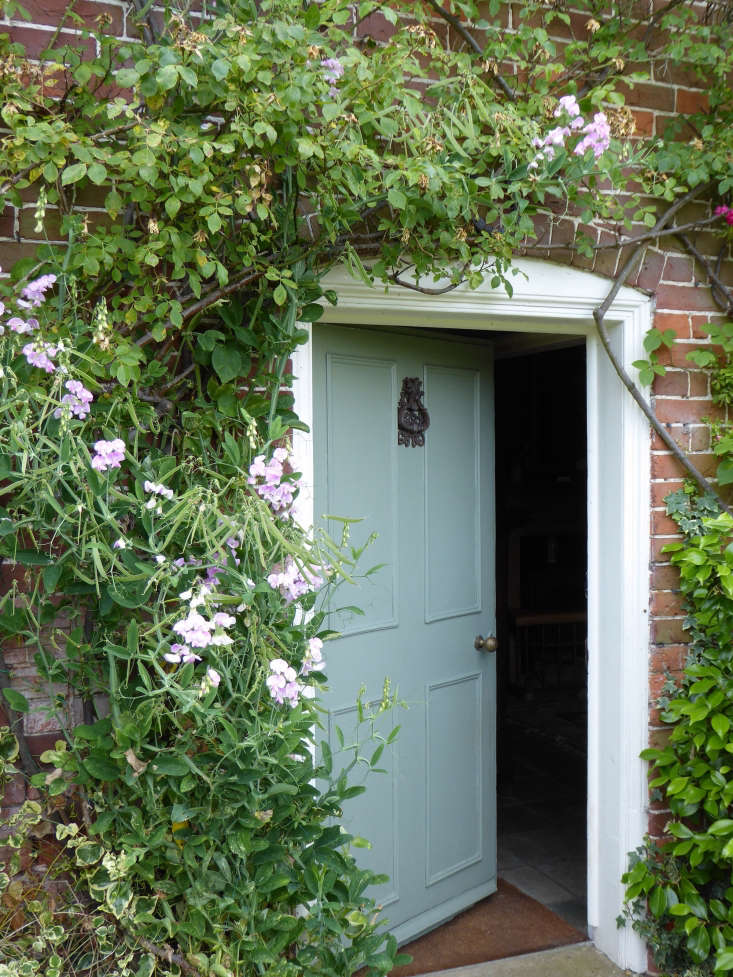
(658,901)
(167,77)
(97,173)
(721,724)
(127,77)
(725,472)
(16,700)
(170,766)
(280,295)
(722,827)
(32,558)
(51,576)
(73,173)
(698,944)
(88,853)
(220,69)
(227,362)
(172,206)
(101,768)
(397,198)
(724,960)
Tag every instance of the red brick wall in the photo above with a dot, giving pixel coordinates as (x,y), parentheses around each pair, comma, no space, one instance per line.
(683,303)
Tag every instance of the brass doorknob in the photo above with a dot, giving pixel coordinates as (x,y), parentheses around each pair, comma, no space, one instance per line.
(486,644)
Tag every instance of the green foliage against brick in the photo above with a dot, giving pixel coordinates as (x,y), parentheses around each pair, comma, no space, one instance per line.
(680,889)
(191,189)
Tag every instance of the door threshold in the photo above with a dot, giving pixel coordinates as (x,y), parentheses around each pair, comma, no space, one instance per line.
(578,960)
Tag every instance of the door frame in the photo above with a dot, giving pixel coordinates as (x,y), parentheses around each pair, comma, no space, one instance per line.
(554,299)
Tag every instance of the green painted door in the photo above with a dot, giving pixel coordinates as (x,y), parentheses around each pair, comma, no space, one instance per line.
(431,818)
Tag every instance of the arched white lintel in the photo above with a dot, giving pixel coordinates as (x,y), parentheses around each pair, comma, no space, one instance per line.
(551,298)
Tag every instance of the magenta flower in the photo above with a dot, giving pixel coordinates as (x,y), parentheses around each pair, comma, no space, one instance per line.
(726,213)
(109,454)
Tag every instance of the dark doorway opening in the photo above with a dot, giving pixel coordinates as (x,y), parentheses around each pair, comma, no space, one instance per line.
(541,623)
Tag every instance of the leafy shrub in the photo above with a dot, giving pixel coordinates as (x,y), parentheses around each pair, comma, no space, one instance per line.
(680,889)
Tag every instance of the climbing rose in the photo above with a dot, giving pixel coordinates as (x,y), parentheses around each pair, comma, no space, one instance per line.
(726,213)
(109,454)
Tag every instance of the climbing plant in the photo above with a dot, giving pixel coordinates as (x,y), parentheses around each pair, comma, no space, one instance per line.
(190,189)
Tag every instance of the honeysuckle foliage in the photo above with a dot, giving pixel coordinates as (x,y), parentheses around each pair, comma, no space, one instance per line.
(189,190)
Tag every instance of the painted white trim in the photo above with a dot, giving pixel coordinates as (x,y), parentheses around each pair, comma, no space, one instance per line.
(554,299)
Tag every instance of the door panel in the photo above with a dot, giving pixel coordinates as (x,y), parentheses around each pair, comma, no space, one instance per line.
(431,818)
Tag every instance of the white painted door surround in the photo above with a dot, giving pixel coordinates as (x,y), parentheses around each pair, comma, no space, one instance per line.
(555,299)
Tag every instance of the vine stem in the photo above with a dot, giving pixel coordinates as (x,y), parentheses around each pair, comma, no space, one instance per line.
(459,28)
(599,315)
(719,289)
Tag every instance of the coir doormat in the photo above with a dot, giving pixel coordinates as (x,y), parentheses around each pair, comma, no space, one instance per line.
(505,924)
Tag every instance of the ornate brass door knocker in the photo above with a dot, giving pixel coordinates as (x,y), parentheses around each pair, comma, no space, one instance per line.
(413,419)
